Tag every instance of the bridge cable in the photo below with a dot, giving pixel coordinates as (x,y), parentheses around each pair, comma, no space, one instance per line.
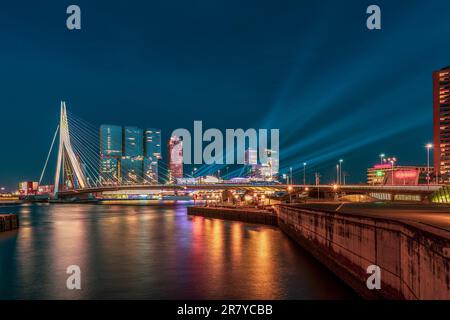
(48,155)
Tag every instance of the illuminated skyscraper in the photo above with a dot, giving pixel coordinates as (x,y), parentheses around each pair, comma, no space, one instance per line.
(109,168)
(110,140)
(152,143)
(131,170)
(175,159)
(133,155)
(152,148)
(441,119)
(126,157)
(150,170)
(133,145)
(110,153)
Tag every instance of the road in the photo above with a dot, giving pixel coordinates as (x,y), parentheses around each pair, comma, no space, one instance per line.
(426,214)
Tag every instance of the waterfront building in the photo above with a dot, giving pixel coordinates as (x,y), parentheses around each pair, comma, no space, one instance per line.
(110,140)
(441,123)
(264,171)
(152,150)
(386,174)
(109,170)
(131,170)
(27,188)
(110,153)
(126,157)
(175,151)
(152,143)
(133,143)
(150,170)
(133,155)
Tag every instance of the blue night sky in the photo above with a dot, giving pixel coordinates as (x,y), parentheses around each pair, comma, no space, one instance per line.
(310,68)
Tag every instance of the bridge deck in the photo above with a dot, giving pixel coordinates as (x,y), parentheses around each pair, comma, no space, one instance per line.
(422,189)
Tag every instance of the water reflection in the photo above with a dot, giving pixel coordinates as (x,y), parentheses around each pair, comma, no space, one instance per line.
(154,252)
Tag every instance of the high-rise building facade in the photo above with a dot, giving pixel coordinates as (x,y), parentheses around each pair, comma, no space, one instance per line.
(150,170)
(133,155)
(175,159)
(123,155)
(131,170)
(441,121)
(110,153)
(152,150)
(152,143)
(109,170)
(133,143)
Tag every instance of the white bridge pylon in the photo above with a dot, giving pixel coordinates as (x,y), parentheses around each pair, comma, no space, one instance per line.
(67,161)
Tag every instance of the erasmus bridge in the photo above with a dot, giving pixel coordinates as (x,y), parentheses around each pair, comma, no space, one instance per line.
(78,174)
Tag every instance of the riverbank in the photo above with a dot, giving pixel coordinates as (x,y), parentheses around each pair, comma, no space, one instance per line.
(245,214)
(413,257)
(10,202)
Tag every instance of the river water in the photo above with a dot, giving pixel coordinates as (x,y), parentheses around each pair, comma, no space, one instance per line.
(153,252)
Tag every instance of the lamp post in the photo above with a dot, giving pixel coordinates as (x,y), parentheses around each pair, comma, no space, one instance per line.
(337,174)
(340,170)
(304,174)
(318,185)
(382,157)
(290,169)
(290,193)
(428,146)
(392,161)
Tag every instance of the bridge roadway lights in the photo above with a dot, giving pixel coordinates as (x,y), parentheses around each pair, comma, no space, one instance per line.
(329,191)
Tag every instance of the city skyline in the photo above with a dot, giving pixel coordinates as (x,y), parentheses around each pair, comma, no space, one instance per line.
(225,157)
(215,76)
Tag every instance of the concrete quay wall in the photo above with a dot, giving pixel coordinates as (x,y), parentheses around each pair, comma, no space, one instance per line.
(414,259)
(236,214)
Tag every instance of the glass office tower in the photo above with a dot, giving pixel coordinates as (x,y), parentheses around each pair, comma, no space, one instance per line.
(152,143)
(150,170)
(110,153)
(131,170)
(133,145)
(152,148)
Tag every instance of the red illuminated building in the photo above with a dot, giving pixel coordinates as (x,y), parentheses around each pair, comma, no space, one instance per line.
(175,159)
(441,121)
(386,174)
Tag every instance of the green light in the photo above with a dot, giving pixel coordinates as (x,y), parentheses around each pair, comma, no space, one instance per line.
(380,173)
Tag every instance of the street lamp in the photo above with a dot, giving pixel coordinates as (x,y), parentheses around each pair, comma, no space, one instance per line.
(304,174)
(382,157)
(290,188)
(290,169)
(337,174)
(340,170)
(428,146)
(392,161)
